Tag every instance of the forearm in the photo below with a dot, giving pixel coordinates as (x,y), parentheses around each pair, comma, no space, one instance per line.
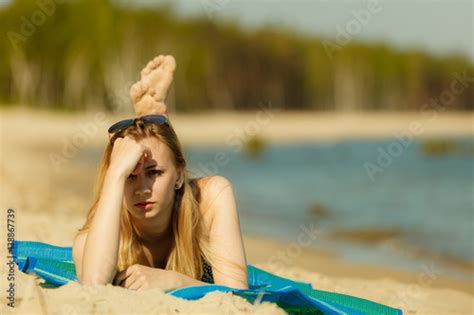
(187,281)
(101,248)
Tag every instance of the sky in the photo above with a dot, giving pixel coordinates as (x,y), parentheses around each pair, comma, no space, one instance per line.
(438,26)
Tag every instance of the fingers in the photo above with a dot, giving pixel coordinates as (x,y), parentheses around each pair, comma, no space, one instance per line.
(128,149)
(145,156)
(119,277)
(147,152)
(133,284)
(123,275)
(122,141)
(129,281)
(138,168)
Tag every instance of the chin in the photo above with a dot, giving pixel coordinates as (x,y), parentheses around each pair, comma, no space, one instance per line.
(139,213)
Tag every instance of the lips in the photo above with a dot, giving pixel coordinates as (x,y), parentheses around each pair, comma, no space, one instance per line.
(145,205)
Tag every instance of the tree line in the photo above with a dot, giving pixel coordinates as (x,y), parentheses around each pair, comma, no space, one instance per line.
(80,55)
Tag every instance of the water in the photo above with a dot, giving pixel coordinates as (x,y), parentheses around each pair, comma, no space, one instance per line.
(428,199)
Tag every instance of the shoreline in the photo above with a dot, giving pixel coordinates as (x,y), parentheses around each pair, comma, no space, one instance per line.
(228,128)
(265,251)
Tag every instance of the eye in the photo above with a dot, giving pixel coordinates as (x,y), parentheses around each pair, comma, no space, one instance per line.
(155,172)
(132,176)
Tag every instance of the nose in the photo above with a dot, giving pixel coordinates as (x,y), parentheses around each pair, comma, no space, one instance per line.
(141,185)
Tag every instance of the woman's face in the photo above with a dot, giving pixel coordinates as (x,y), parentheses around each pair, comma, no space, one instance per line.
(151,193)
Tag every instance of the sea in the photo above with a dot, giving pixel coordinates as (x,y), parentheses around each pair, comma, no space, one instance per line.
(403,203)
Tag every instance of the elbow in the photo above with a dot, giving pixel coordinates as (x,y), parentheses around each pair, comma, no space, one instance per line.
(242,286)
(238,285)
(234,284)
(95,280)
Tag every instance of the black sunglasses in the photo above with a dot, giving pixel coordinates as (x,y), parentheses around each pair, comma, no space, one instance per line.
(147,119)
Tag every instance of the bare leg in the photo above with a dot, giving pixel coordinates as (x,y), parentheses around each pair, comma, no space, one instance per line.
(149,94)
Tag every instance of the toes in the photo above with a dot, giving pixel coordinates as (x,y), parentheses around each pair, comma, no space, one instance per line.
(149,105)
(144,106)
(146,83)
(151,65)
(157,61)
(136,91)
(148,101)
(148,66)
(147,69)
(156,80)
(169,63)
(139,89)
(144,72)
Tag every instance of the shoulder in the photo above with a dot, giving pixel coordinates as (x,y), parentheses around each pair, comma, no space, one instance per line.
(212,185)
(214,192)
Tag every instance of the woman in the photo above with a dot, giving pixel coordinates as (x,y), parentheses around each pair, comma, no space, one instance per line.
(150,226)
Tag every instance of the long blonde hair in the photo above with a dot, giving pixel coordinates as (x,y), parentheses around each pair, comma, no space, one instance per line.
(190,238)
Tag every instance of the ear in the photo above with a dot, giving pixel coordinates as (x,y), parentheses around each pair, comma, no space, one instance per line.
(180,179)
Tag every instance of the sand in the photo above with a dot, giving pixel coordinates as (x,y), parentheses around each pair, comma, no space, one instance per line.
(48,184)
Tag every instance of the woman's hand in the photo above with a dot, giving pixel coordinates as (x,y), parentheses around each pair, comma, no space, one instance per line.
(128,156)
(139,277)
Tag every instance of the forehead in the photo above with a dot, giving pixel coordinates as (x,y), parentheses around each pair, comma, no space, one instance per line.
(160,152)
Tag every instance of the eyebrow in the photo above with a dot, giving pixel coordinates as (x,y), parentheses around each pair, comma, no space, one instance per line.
(151,166)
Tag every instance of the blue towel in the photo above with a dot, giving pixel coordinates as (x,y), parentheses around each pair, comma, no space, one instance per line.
(55,265)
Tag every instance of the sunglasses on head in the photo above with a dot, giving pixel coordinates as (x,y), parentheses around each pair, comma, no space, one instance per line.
(147,119)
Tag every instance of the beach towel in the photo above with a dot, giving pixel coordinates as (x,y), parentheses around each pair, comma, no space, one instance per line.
(55,265)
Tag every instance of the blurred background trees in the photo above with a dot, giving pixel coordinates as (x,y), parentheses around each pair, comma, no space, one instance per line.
(80,55)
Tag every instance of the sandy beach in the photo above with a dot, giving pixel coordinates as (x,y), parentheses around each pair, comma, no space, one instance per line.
(50,189)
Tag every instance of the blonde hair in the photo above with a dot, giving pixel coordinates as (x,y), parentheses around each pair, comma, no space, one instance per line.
(190,239)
